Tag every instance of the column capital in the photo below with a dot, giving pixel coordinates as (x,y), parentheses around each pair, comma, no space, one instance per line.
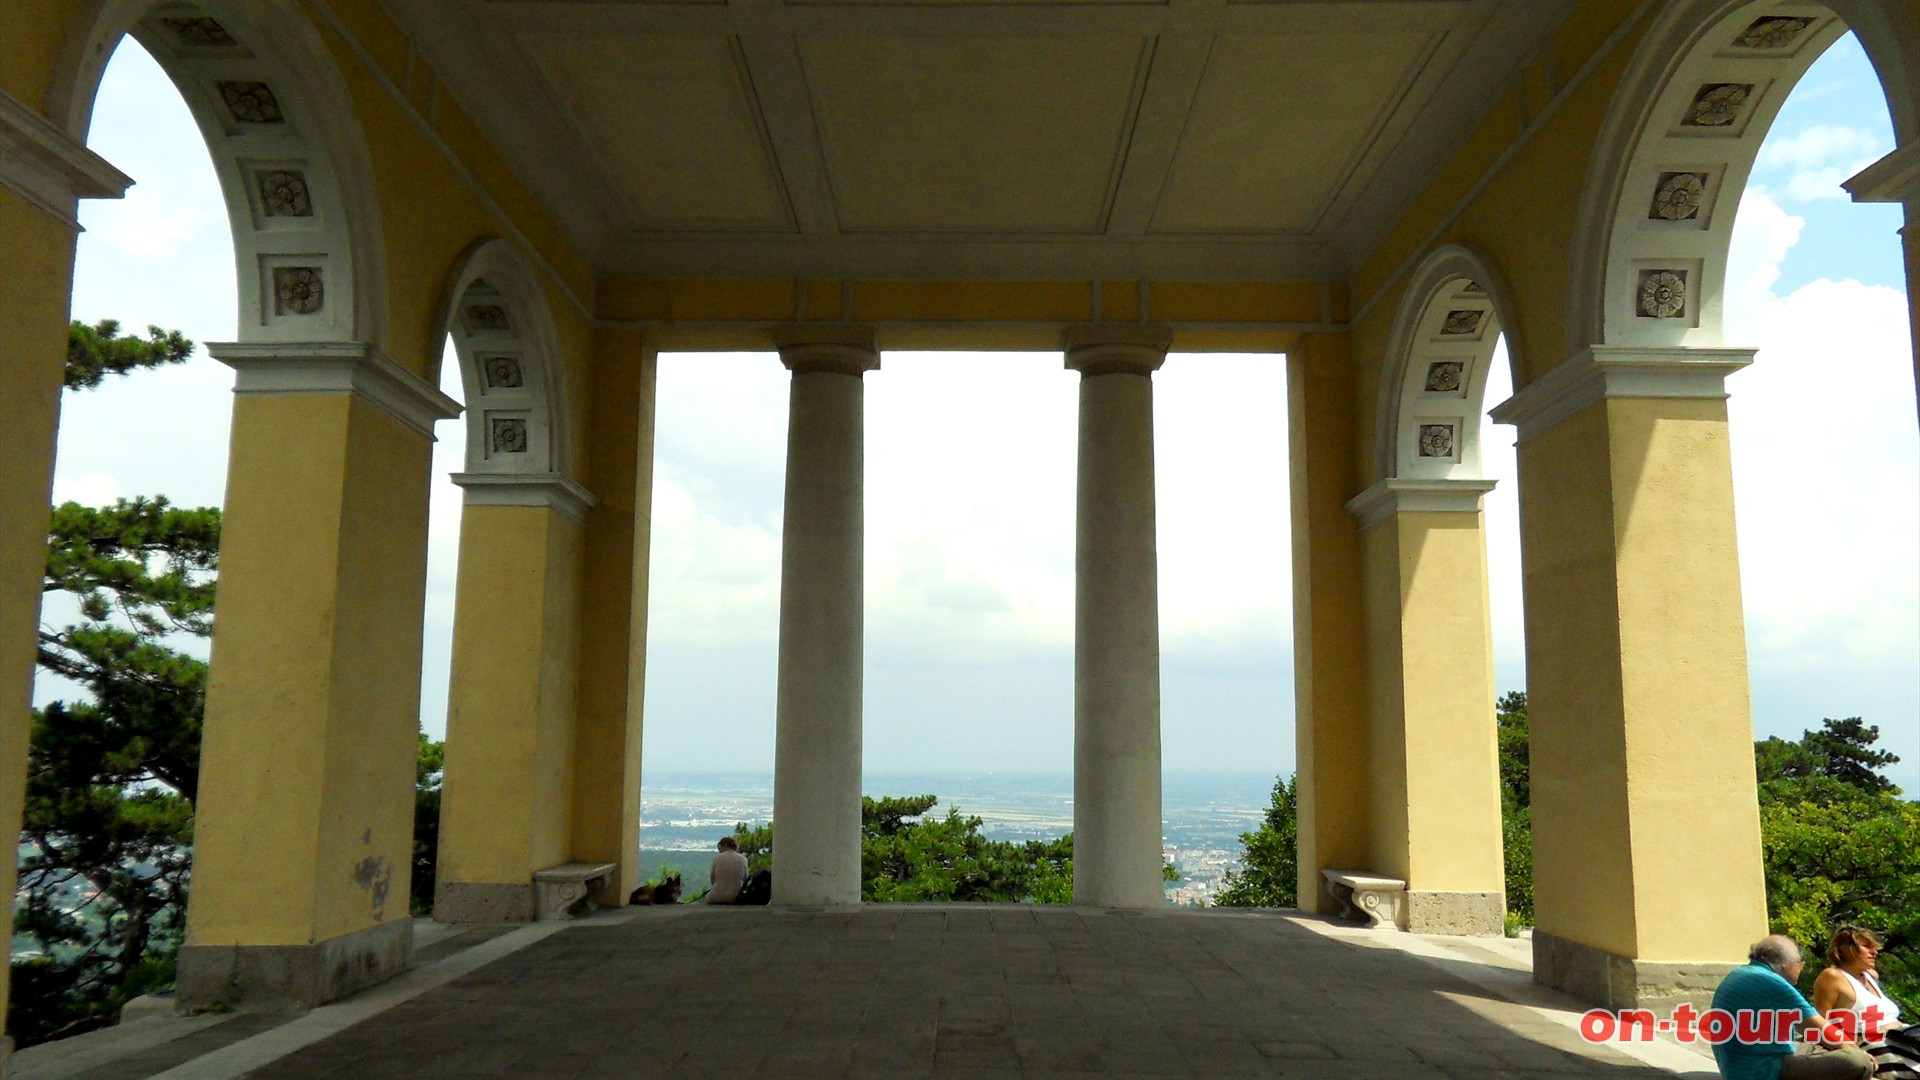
(551,491)
(47,167)
(1394,496)
(836,349)
(1117,349)
(1894,178)
(1618,371)
(336,367)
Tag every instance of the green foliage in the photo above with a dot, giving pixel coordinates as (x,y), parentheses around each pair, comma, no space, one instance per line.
(906,856)
(107,832)
(1269,873)
(1512,734)
(1840,846)
(429,770)
(97,351)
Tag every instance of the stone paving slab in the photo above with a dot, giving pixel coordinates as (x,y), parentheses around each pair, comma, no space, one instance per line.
(953,992)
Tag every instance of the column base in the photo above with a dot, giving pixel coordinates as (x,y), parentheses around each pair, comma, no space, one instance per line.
(265,978)
(1463,914)
(1601,978)
(482,902)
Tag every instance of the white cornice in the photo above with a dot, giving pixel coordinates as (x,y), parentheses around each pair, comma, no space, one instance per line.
(44,165)
(1616,371)
(1396,496)
(551,491)
(337,367)
(1893,178)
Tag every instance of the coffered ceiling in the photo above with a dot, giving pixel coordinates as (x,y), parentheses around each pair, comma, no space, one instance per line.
(1182,139)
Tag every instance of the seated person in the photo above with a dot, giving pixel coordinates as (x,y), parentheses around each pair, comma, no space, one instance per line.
(1852,983)
(729,872)
(1766,982)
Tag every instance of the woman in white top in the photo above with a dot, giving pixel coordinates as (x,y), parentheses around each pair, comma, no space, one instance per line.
(1851,982)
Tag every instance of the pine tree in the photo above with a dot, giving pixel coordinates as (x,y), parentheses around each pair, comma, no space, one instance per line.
(107,833)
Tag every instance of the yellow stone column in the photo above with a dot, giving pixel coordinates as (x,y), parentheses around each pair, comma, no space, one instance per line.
(816,764)
(42,174)
(1329,655)
(507,800)
(1646,827)
(613,608)
(1117,836)
(1434,806)
(304,833)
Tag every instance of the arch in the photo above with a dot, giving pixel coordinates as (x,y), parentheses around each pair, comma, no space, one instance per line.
(280,126)
(1662,189)
(497,313)
(1438,356)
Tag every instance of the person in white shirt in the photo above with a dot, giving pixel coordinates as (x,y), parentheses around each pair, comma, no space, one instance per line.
(729,872)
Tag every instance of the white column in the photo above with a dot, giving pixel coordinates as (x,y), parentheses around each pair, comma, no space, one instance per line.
(816,769)
(1116,651)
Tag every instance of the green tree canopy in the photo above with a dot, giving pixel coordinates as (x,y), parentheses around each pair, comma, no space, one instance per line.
(1268,875)
(97,351)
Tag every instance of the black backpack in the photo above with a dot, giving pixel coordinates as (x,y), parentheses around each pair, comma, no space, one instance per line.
(758,889)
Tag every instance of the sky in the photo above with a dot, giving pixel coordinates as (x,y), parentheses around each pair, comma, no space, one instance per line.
(969,483)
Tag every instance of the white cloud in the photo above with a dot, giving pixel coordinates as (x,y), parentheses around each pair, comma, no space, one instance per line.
(1814,160)
(1763,235)
(1826,481)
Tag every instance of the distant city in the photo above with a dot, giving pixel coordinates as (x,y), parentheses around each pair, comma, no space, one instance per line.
(682,815)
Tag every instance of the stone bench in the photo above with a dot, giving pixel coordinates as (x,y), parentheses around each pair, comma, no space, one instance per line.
(1382,901)
(564,892)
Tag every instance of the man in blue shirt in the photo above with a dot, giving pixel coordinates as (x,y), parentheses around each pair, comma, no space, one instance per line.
(1757,992)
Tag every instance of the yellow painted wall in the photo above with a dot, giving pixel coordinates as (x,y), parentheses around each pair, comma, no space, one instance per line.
(33,319)
(507,801)
(1573,673)
(1446,658)
(1646,823)
(1689,757)
(308,752)
(613,608)
(1388,809)
(1330,673)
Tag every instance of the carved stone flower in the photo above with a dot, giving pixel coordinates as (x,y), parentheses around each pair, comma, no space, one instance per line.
(251,102)
(1443,377)
(486,317)
(199,32)
(1436,440)
(1463,322)
(1663,294)
(1773,32)
(503,372)
(1679,196)
(509,435)
(283,193)
(298,290)
(1718,104)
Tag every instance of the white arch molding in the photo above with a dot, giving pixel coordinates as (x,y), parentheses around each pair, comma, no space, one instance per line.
(1439,354)
(281,129)
(1648,267)
(518,449)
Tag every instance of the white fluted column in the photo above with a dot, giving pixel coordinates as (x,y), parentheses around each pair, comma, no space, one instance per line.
(1116,650)
(816,769)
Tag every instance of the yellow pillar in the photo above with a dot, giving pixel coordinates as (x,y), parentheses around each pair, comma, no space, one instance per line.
(613,609)
(304,833)
(507,802)
(1329,656)
(1646,827)
(42,173)
(1434,805)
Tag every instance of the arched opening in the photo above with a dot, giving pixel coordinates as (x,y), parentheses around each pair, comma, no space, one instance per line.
(1632,531)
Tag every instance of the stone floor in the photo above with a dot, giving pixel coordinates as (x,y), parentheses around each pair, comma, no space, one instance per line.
(918,991)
